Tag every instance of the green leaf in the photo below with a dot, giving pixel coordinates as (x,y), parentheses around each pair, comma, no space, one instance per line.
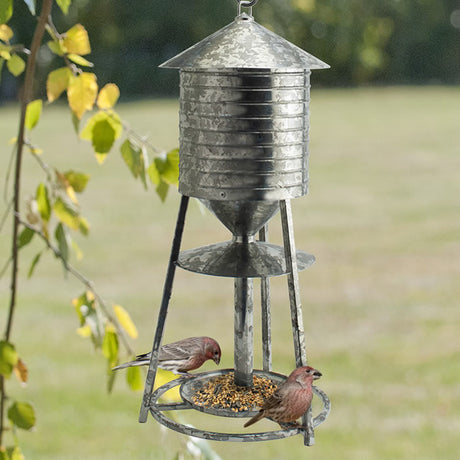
(134,378)
(64,5)
(84,226)
(11,453)
(33,265)
(31,5)
(110,346)
(103,136)
(63,242)
(171,173)
(75,123)
(22,415)
(8,358)
(43,202)
(66,214)
(135,159)
(109,116)
(131,155)
(154,174)
(168,167)
(25,237)
(80,60)
(33,112)
(16,65)
(77,180)
(6,10)
(162,190)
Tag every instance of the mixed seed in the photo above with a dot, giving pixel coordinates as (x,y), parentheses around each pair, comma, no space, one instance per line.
(221,392)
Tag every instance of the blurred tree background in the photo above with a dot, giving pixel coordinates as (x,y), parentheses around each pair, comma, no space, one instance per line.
(364,41)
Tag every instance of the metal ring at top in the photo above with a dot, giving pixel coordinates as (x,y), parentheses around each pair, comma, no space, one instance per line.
(247,3)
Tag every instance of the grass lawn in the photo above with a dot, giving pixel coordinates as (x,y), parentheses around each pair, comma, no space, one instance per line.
(381,309)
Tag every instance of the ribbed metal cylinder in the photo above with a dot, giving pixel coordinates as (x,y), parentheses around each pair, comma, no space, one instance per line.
(244,134)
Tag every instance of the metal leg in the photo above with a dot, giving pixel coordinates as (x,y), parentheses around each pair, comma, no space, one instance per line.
(244,331)
(167,289)
(296,307)
(266,314)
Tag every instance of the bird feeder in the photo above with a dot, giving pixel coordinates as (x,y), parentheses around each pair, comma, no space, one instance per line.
(244,131)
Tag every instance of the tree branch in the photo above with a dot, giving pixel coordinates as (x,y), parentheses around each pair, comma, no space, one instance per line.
(26,98)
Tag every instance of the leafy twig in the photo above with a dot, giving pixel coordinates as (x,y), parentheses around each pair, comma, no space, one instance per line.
(82,278)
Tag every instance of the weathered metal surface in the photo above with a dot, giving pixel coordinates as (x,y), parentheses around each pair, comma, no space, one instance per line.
(243,217)
(244,134)
(244,44)
(243,341)
(167,289)
(265,311)
(252,259)
(156,411)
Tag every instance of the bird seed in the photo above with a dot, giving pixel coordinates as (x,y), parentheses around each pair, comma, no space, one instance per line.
(221,392)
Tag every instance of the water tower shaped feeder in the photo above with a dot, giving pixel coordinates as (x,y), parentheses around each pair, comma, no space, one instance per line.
(244,129)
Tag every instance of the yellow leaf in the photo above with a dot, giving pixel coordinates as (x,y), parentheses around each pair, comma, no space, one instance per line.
(100,157)
(21,371)
(16,65)
(5,32)
(82,92)
(125,321)
(57,82)
(84,331)
(108,96)
(80,60)
(163,377)
(76,40)
(71,194)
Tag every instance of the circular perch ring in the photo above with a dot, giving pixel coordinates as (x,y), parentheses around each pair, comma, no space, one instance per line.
(156,410)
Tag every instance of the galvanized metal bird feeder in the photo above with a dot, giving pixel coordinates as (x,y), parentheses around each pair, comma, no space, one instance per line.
(244,132)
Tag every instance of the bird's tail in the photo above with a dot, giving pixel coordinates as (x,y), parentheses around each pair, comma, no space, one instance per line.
(254,419)
(143,362)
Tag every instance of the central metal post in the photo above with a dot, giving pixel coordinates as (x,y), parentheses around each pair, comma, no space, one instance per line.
(244,331)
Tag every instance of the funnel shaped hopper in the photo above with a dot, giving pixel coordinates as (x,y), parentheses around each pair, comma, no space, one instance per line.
(243,218)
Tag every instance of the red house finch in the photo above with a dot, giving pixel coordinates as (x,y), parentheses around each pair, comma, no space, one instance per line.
(291,399)
(181,356)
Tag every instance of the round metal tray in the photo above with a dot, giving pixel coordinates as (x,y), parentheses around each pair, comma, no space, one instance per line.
(190,387)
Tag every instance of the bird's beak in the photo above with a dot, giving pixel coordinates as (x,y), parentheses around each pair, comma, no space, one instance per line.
(216,359)
(316,375)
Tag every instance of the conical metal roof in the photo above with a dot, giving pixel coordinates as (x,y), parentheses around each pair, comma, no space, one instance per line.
(244,44)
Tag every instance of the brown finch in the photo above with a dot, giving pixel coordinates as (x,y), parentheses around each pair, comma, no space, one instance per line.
(181,356)
(291,399)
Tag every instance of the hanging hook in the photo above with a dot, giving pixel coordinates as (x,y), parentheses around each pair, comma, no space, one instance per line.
(246,4)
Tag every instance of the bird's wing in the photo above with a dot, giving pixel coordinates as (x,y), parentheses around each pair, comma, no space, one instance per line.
(181,349)
(274,400)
